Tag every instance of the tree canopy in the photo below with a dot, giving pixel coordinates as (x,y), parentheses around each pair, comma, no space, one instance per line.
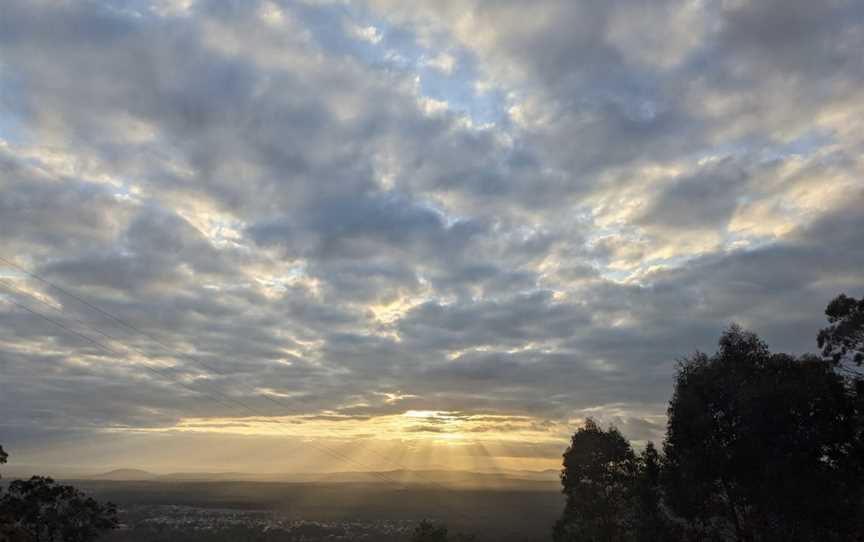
(844,337)
(39,509)
(760,447)
(650,522)
(763,444)
(600,469)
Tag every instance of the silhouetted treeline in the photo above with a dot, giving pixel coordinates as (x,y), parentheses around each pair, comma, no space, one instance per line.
(41,510)
(759,447)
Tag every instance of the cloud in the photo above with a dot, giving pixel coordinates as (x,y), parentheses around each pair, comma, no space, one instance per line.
(443,62)
(367,33)
(297,232)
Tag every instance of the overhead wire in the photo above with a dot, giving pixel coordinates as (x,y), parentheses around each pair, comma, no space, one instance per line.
(130,327)
(225,398)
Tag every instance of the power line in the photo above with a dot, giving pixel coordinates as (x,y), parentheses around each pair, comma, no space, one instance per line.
(379,475)
(114,352)
(92,327)
(134,329)
(108,349)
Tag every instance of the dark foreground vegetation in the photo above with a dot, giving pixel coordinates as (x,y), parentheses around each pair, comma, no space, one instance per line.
(40,510)
(760,447)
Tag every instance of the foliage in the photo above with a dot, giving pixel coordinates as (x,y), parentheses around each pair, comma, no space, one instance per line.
(8,531)
(48,511)
(762,446)
(844,338)
(600,472)
(651,521)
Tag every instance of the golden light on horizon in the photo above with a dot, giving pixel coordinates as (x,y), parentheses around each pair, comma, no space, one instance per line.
(413,440)
(411,425)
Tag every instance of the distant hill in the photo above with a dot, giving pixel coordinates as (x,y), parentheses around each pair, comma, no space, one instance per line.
(129,475)
(401,476)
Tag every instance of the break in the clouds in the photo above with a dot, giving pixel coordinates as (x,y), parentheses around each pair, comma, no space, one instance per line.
(459,222)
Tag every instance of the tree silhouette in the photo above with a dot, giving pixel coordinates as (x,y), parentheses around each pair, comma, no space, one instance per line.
(600,470)
(49,511)
(762,446)
(39,509)
(8,531)
(844,338)
(651,522)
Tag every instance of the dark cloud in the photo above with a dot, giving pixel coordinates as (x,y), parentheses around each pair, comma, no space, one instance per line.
(706,201)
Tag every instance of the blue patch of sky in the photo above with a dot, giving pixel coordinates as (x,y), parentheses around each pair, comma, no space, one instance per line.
(398,49)
(764,148)
(12,101)
(10,128)
(805,145)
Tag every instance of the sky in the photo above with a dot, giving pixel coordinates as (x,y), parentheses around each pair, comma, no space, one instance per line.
(323,235)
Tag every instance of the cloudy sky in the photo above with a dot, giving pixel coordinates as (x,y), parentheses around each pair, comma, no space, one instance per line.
(340,235)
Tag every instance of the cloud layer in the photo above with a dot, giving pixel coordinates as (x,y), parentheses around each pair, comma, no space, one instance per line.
(329,213)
